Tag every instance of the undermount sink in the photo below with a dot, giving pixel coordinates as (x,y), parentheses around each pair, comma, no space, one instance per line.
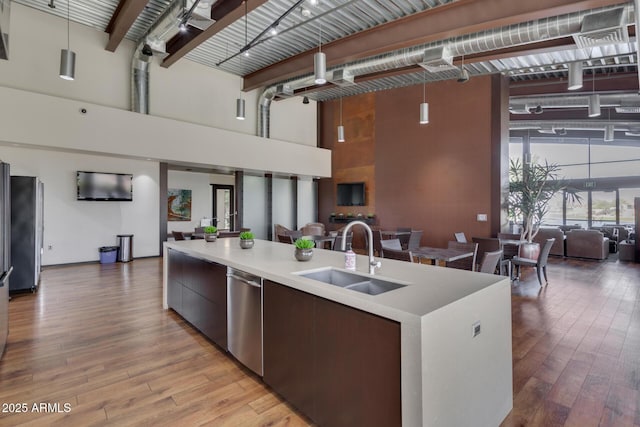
(353,281)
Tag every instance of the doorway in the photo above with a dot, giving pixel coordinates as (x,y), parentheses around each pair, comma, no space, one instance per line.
(224,212)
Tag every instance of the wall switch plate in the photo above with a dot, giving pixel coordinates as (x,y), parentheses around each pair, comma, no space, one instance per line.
(475,329)
(482,217)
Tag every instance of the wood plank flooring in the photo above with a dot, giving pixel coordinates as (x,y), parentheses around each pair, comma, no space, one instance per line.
(95,337)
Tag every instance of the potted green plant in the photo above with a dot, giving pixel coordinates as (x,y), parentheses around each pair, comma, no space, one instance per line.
(531,187)
(304,249)
(246,240)
(210,233)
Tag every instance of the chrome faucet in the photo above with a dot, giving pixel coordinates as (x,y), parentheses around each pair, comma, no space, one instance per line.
(373,264)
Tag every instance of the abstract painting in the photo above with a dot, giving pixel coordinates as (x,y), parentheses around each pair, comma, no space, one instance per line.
(179,203)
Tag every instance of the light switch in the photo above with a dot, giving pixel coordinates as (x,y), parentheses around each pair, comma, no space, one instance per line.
(482,217)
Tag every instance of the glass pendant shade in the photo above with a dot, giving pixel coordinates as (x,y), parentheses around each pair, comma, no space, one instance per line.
(594,105)
(67,64)
(240,109)
(424,113)
(320,68)
(609,133)
(340,133)
(575,75)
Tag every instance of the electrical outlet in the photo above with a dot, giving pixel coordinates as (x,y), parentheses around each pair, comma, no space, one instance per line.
(475,329)
(482,217)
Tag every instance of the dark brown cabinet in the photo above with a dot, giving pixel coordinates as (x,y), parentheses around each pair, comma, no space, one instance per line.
(338,365)
(197,290)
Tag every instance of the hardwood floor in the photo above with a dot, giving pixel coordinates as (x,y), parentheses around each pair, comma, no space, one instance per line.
(94,337)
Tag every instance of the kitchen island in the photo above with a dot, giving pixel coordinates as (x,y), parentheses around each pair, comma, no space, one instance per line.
(453,327)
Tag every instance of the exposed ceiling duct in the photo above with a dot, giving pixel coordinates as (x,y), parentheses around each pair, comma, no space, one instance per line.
(4,28)
(438,52)
(602,28)
(557,126)
(623,102)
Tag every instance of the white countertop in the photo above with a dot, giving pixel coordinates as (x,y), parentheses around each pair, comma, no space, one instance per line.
(428,287)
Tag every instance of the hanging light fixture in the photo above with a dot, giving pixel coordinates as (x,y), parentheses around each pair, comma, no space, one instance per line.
(609,133)
(424,107)
(594,98)
(340,127)
(67,56)
(463,75)
(320,62)
(239,100)
(575,75)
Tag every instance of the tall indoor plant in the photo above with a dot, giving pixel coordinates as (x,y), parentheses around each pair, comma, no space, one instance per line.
(531,187)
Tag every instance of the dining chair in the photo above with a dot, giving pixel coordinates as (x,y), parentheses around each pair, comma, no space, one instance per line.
(313,229)
(414,239)
(540,264)
(399,255)
(460,237)
(509,250)
(468,263)
(178,235)
(404,238)
(337,243)
(486,244)
(490,261)
(285,238)
(393,244)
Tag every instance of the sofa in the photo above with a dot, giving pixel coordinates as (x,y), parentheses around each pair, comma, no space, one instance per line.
(587,244)
(545,233)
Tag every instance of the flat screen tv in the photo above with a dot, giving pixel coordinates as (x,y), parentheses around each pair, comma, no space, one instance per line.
(350,194)
(100,186)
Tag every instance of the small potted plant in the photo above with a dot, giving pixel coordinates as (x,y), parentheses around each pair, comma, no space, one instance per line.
(246,240)
(304,249)
(210,233)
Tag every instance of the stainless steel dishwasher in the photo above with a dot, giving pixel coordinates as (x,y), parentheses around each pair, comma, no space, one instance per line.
(244,318)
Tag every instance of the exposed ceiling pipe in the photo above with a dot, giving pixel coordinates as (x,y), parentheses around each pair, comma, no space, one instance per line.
(143,54)
(519,104)
(553,126)
(500,38)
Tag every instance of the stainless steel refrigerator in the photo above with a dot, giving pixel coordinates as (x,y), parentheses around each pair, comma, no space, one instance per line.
(5,254)
(26,232)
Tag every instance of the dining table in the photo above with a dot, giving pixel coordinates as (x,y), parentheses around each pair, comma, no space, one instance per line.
(322,241)
(440,256)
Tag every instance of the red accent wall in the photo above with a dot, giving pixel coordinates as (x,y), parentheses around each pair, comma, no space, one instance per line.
(435,177)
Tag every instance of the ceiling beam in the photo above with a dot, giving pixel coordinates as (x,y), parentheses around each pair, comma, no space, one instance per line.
(123,18)
(451,20)
(185,46)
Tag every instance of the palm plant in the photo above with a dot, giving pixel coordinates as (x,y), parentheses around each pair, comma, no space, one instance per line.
(531,187)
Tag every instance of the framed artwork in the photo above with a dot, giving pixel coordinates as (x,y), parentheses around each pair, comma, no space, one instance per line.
(179,205)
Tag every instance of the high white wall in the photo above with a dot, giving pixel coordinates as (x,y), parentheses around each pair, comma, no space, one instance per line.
(74,230)
(186,91)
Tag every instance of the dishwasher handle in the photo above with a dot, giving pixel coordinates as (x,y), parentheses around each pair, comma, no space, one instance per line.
(243,280)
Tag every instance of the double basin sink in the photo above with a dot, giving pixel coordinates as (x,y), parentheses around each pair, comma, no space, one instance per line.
(353,281)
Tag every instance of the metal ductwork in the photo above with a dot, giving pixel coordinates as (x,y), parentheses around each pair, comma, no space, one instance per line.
(514,35)
(559,127)
(164,28)
(624,102)
(4,28)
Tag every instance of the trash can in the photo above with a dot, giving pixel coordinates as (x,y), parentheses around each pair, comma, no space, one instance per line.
(125,247)
(108,254)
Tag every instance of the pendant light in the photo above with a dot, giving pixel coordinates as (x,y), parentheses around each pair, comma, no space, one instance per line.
(67,56)
(594,98)
(424,107)
(609,129)
(320,61)
(340,127)
(239,100)
(575,75)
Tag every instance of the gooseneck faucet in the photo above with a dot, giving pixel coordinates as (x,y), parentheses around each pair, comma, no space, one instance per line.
(373,264)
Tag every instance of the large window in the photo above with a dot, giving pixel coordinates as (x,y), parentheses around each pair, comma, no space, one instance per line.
(604,170)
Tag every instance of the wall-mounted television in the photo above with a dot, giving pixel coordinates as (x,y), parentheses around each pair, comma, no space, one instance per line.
(350,194)
(101,186)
